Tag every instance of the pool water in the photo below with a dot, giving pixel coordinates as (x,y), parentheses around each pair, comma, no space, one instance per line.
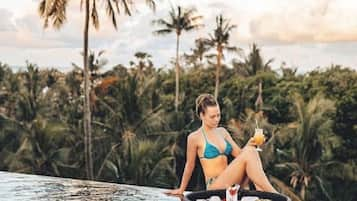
(15,186)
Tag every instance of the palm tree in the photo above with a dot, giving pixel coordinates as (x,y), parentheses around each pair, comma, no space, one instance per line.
(219,41)
(10,87)
(255,66)
(55,11)
(304,159)
(96,62)
(43,147)
(32,143)
(142,162)
(143,65)
(128,126)
(196,58)
(180,20)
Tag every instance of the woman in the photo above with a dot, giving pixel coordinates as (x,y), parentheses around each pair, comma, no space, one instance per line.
(212,144)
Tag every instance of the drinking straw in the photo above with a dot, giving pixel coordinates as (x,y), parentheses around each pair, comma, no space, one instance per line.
(256,123)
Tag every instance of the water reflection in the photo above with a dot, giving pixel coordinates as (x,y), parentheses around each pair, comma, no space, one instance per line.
(15,186)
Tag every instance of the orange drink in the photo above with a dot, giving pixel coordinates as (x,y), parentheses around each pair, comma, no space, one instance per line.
(259,137)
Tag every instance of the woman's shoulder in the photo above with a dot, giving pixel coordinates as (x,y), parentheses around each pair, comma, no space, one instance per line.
(223,131)
(194,135)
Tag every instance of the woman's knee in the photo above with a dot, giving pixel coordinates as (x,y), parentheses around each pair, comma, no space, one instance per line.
(247,153)
(249,149)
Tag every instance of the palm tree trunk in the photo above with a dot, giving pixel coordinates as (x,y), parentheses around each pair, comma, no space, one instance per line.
(201,61)
(218,70)
(177,73)
(87,112)
(259,101)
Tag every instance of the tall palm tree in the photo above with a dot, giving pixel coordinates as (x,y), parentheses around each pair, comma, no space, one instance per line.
(55,11)
(256,65)
(180,20)
(219,40)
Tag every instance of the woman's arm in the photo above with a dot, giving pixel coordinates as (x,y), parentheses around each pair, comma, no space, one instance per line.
(191,152)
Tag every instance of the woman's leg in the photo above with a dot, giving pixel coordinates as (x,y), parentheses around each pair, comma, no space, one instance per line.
(246,184)
(247,163)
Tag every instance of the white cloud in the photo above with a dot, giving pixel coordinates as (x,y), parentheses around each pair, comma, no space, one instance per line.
(306,22)
(303,33)
(307,57)
(6,23)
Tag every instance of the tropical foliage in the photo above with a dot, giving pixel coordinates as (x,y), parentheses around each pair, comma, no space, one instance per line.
(139,137)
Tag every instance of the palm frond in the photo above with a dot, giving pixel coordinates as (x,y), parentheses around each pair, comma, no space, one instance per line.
(54,10)
(42,8)
(180,19)
(285,189)
(163,31)
(94,16)
(126,5)
(289,165)
(162,22)
(231,48)
(196,18)
(111,12)
(151,4)
(322,187)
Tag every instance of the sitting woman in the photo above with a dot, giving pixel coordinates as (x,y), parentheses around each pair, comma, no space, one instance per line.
(212,144)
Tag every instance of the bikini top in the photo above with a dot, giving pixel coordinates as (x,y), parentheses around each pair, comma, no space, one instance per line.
(211,151)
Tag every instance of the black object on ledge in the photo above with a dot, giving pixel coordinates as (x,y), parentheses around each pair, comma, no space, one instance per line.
(241,193)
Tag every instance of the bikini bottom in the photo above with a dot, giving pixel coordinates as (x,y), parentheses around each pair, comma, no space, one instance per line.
(210,181)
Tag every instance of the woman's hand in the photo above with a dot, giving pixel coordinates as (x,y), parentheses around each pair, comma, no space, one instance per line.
(177,191)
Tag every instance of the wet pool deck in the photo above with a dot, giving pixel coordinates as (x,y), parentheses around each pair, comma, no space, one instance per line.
(15,186)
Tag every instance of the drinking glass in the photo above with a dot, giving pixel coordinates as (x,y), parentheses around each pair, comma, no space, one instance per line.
(259,138)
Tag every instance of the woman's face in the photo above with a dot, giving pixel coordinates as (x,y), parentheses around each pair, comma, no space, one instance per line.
(211,117)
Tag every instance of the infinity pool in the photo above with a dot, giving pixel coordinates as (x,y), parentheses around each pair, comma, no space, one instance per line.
(14,186)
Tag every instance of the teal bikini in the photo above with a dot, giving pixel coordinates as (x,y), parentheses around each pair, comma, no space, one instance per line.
(211,151)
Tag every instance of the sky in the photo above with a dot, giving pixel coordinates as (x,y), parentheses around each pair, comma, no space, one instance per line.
(303,34)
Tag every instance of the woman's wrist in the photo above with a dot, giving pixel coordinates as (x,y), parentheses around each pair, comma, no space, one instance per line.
(181,189)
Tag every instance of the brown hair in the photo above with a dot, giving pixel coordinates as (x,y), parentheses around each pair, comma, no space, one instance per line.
(203,101)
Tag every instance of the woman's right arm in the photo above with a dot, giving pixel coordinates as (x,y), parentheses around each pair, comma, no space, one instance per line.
(191,152)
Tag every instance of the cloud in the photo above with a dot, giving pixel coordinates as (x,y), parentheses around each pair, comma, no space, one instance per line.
(27,30)
(60,58)
(6,23)
(306,22)
(306,57)
(136,34)
(302,33)
(27,33)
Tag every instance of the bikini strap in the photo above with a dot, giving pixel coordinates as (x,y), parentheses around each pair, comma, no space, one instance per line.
(204,134)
